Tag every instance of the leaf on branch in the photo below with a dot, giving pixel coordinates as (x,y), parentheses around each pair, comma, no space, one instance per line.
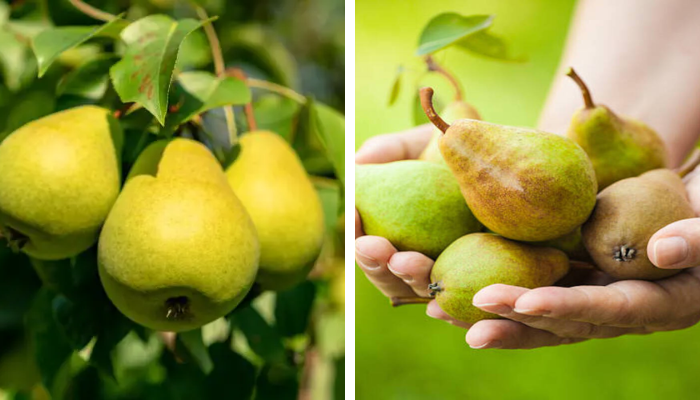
(293,309)
(51,349)
(263,339)
(199,91)
(49,44)
(195,348)
(488,45)
(89,80)
(448,28)
(277,382)
(330,127)
(145,72)
(231,370)
(396,86)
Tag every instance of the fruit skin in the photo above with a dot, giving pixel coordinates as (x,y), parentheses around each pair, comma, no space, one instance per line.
(523,184)
(273,186)
(627,214)
(181,235)
(571,244)
(481,259)
(618,147)
(60,176)
(454,111)
(416,205)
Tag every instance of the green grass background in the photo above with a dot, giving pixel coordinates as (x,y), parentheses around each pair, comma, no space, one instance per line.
(401,353)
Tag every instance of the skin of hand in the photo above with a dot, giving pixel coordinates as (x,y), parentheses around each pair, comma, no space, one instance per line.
(596,307)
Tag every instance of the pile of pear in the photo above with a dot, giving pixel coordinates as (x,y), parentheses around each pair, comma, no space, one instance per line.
(499,204)
(180,241)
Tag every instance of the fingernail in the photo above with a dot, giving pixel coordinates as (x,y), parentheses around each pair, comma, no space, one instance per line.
(405,277)
(670,251)
(494,344)
(366,261)
(429,313)
(537,313)
(496,308)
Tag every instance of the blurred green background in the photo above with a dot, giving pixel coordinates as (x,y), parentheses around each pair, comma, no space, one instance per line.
(401,353)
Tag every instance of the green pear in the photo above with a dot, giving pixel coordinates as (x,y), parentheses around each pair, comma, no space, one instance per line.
(627,214)
(271,182)
(571,244)
(454,111)
(59,177)
(416,205)
(522,184)
(619,147)
(178,249)
(481,259)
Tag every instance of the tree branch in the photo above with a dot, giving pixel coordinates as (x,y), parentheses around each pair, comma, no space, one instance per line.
(92,11)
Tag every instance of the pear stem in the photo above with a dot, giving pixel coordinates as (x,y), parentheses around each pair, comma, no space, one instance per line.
(433,66)
(219,67)
(92,11)
(426,101)
(691,163)
(249,114)
(587,99)
(402,301)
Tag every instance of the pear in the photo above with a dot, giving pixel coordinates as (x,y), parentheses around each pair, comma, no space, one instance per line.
(481,259)
(416,205)
(178,249)
(523,184)
(571,244)
(619,147)
(454,111)
(59,177)
(627,214)
(271,182)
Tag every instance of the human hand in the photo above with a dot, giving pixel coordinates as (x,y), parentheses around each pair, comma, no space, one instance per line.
(556,315)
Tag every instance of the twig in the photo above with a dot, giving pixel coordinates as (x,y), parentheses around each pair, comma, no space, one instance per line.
(120,113)
(92,11)
(279,89)
(249,114)
(219,68)
(435,67)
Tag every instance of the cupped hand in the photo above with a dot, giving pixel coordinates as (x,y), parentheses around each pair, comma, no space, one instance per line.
(552,316)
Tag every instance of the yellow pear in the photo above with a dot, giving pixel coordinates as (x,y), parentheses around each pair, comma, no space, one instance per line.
(59,176)
(178,250)
(271,182)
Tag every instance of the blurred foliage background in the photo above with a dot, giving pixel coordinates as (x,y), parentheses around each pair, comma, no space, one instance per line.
(403,354)
(295,44)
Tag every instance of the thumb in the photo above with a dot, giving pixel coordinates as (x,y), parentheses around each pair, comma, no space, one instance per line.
(676,245)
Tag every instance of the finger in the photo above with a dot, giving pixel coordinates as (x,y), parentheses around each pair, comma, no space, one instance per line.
(434,311)
(624,304)
(414,269)
(372,254)
(502,299)
(692,185)
(358,225)
(676,245)
(394,146)
(505,334)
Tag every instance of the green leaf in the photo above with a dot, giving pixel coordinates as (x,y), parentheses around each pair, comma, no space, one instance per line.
(13,60)
(145,72)
(77,322)
(330,127)
(339,380)
(231,370)
(488,45)
(396,86)
(51,349)
(293,309)
(277,382)
(200,91)
(18,284)
(4,13)
(193,344)
(277,114)
(331,197)
(113,328)
(90,80)
(262,338)
(49,44)
(448,28)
